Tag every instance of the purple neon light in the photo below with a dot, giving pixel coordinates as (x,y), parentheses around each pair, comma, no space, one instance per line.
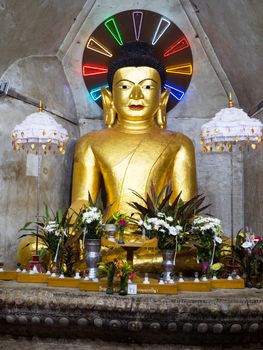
(137,32)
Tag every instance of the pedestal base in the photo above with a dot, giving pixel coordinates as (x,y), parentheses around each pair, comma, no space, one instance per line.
(227,317)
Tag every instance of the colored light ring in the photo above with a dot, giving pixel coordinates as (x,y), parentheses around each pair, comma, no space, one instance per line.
(169,42)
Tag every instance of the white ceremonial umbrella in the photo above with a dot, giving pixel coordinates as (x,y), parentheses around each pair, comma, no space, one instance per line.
(40,134)
(231,127)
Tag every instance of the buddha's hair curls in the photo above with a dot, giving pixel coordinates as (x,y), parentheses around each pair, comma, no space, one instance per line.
(136,54)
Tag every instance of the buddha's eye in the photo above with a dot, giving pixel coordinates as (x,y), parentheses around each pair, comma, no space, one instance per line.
(124,86)
(148,87)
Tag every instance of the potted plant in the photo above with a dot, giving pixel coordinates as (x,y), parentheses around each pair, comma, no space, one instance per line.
(108,269)
(53,230)
(207,238)
(248,255)
(121,221)
(169,221)
(89,227)
(123,270)
(216,270)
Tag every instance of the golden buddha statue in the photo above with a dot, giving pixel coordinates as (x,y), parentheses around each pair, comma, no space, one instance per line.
(135,150)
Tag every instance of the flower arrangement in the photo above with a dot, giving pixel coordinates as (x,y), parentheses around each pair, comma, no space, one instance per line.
(89,221)
(121,221)
(170,221)
(248,254)
(216,269)
(163,227)
(123,268)
(109,270)
(207,238)
(53,229)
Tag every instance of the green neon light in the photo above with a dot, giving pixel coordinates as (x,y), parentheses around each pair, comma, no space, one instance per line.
(114,30)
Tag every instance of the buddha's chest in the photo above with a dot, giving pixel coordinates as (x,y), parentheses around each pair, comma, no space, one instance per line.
(135,157)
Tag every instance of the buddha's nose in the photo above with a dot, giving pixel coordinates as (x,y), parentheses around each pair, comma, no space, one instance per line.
(136,92)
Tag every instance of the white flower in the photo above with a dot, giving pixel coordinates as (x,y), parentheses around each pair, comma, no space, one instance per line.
(173,231)
(91,215)
(179,228)
(51,226)
(161,215)
(247,244)
(147,227)
(153,220)
(218,239)
(169,219)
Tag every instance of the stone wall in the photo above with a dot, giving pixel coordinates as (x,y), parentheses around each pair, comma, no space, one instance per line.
(253,169)
(33,78)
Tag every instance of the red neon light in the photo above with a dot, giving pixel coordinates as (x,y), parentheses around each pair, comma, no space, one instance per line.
(89,69)
(179,45)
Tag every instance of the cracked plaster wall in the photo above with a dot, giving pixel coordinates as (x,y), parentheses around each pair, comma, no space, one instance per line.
(33,77)
(253,169)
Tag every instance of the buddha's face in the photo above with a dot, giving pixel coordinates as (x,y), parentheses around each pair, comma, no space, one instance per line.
(136,93)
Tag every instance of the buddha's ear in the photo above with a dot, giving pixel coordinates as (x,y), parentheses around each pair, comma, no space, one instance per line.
(164,98)
(108,107)
(161,112)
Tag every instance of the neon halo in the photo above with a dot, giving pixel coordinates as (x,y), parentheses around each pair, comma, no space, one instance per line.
(169,43)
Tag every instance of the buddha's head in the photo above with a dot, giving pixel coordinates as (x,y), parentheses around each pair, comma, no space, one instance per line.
(136,87)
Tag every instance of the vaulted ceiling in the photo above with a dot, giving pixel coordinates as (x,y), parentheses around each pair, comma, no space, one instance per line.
(234,29)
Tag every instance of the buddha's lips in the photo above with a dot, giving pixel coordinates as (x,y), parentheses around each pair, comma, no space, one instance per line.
(136,107)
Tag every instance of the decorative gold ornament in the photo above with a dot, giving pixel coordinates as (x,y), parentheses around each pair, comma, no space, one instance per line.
(230,101)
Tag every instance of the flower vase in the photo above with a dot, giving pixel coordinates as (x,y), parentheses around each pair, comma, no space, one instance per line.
(205,267)
(121,236)
(110,230)
(123,286)
(93,257)
(110,279)
(168,264)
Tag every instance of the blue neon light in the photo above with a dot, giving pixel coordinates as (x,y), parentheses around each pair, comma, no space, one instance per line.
(175,92)
(96,92)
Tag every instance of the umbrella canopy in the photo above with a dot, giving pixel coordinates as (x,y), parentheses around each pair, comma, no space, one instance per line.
(41,133)
(229,127)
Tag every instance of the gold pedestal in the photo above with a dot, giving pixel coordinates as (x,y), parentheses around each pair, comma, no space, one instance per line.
(63,282)
(130,247)
(32,278)
(228,284)
(156,288)
(8,275)
(190,286)
(92,286)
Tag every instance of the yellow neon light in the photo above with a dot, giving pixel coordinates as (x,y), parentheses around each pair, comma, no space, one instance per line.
(185,69)
(96,46)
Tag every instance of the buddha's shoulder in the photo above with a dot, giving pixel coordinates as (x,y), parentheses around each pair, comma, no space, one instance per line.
(92,137)
(176,137)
